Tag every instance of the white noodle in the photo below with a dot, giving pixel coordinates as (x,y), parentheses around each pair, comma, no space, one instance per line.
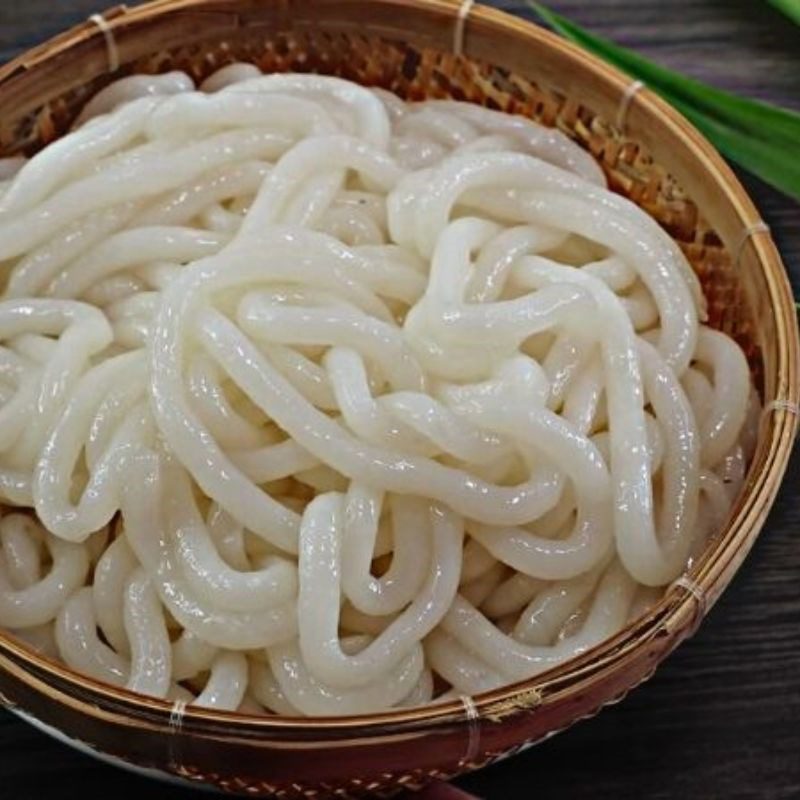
(323,400)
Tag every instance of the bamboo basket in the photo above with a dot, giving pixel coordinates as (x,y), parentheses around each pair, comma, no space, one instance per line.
(418,49)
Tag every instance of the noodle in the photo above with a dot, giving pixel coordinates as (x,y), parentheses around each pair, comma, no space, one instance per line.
(314,401)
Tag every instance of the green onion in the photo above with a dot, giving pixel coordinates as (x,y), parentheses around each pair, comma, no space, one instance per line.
(762,138)
(789,7)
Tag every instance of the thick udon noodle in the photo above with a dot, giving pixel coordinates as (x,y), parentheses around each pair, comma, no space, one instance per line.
(327,403)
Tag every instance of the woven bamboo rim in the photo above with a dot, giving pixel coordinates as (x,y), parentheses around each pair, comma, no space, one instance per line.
(660,161)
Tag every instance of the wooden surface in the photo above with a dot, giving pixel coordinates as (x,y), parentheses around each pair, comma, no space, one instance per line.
(721,719)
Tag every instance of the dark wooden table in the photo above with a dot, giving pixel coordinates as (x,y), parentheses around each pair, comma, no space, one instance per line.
(721,719)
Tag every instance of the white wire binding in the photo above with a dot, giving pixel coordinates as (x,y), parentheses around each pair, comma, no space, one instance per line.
(176,716)
(689,585)
(782,405)
(751,230)
(461,23)
(474,732)
(111,42)
(624,104)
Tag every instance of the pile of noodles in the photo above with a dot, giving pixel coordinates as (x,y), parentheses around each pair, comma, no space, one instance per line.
(313,401)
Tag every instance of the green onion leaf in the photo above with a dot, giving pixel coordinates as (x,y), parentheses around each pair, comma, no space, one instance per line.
(789,7)
(762,138)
